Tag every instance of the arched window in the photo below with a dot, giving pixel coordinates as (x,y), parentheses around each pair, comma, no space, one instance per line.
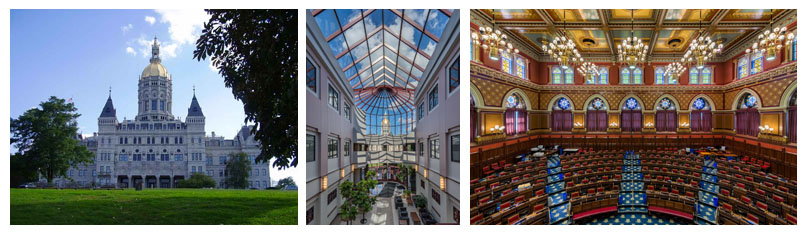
(631,116)
(562,76)
(659,76)
(556,75)
(473,118)
(756,63)
(515,117)
(625,75)
(521,68)
(701,116)
(597,116)
(562,115)
(569,74)
(507,63)
(747,116)
(791,119)
(742,67)
(603,75)
(631,76)
(666,116)
(693,75)
(702,76)
(706,75)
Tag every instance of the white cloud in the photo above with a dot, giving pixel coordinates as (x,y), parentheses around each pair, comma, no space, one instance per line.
(184,25)
(150,20)
(130,50)
(126,28)
(212,67)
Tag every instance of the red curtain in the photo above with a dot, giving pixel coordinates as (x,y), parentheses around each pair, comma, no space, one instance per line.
(631,120)
(522,121)
(791,124)
(561,121)
(701,121)
(666,121)
(747,122)
(473,123)
(596,121)
(509,121)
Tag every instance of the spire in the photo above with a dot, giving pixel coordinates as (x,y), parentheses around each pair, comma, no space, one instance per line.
(109,108)
(195,109)
(155,51)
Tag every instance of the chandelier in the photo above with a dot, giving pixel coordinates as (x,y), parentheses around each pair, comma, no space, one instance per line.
(493,41)
(770,41)
(632,51)
(674,70)
(563,49)
(701,49)
(589,70)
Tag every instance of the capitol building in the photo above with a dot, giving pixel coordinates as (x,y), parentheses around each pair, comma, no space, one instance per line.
(156,148)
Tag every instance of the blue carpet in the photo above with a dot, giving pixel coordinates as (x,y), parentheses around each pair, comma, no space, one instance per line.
(556,187)
(706,212)
(559,212)
(632,209)
(709,178)
(554,170)
(708,198)
(557,199)
(555,178)
(632,186)
(709,187)
(633,219)
(632,199)
(631,176)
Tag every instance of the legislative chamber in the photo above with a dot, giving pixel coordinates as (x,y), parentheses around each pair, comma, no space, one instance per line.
(633,116)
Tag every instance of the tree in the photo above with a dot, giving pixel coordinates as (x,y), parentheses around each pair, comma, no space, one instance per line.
(238,168)
(197,180)
(285,182)
(256,53)
(21,172)
(348,210)
(46,139)
(357,198)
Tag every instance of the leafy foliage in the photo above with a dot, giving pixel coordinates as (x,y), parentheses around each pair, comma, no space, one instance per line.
(286,181)
(21,172)
(420,201)
(46,139)
(238,168)
(256,53)
(197,180)
(357,197)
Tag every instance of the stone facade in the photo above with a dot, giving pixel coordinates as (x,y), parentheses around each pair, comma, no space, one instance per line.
(156,148)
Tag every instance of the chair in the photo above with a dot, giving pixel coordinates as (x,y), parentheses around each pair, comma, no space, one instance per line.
(752,218)
(762,205)
(504,206)
(538,207)
(791,219)
(513,219)
(494,185)
(675,191)
(539,192)
(651,188)
(745,199)
(777,198)
(474,181)
(570,184)
(480,189)
(690,194)
(484,200)
(590,191)
(519,199)
(727,207)
(476,219)
(725,192)
(600,190)
(575,195)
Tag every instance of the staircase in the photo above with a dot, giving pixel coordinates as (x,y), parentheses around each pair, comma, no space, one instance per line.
(706,206)
(632,196)
(558,201)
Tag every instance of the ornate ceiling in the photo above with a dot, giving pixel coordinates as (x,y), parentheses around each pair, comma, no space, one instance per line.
(668,32)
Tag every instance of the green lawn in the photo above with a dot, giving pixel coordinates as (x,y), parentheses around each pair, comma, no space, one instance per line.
(153,206)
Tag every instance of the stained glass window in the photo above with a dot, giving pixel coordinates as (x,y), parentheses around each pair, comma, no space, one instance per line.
(631,104)
(569,73)
(514,101)
(597,104)
(699,104)
(757,63)
(625,75)
(563,104)
(660,76)
(666,104)
(520,68)
(706,75)
(742,67)
(693,75)
(507,63)
(603,75)
(637,76)
(750,101)
(556,75)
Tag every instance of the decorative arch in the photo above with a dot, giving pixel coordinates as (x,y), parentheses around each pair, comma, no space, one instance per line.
(520,92)
(477,96)
(783,101)
(592,97)
(705,97)
(626,97)
(555,99)
(671,97)
(740,94)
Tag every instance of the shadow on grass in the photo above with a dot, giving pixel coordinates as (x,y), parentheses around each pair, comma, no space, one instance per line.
(154,207)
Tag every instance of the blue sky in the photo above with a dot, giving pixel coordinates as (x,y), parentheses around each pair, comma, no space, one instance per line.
(79,54)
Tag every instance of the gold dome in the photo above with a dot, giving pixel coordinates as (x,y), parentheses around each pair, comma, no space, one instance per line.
(154,69)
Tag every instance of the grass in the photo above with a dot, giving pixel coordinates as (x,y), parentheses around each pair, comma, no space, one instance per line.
(153,206)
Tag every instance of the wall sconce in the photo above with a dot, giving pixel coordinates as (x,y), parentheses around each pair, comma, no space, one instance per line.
(578,125)
(648,124)
(425,173)
(497,129)
(613,124)
(324,183)
(684,125)
(343,173)
(766,129)
(442,183)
